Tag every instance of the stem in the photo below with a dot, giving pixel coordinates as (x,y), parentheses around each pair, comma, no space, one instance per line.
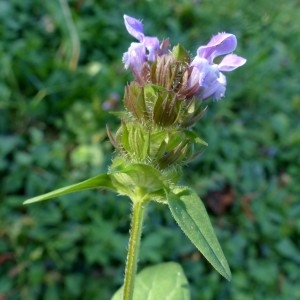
(73,34)
(133,248)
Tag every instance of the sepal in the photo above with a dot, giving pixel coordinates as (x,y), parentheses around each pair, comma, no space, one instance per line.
(162,148)
(134,101)
(133,141)
(193,113)
(181,54)
(166,108)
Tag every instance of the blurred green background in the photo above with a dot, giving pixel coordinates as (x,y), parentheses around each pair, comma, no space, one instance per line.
(61,73)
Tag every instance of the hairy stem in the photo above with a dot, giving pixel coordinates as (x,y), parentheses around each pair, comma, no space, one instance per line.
(133,248)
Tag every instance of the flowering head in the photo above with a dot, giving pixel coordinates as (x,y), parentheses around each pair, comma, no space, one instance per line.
(164,100)
(201,72)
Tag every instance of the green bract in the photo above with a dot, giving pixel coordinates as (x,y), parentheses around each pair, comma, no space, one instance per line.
(161,148)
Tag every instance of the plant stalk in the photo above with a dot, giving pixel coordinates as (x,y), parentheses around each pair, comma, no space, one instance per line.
(138,210)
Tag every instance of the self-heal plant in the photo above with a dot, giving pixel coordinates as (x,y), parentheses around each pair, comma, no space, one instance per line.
(154,141)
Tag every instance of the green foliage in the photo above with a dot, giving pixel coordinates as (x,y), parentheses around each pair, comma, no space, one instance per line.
(191,216)
(100,181)
(142,183)
(52,125)
(162,281)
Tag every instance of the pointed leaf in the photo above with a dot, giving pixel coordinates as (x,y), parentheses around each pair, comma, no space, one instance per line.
(99,181)
(163,281)
(190,214)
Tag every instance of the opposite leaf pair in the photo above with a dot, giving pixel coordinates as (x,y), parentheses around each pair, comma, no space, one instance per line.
(143,183)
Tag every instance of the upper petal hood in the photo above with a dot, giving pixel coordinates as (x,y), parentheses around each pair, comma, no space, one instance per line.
(134,27)
(220,44)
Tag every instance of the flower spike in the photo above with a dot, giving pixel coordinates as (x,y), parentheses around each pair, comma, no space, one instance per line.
(202,78)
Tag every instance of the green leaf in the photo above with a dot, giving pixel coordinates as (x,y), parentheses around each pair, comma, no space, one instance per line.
(190,214)
(99,181)
(163,281)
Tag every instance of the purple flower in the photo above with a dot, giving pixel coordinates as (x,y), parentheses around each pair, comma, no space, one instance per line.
(211,81)
(139,53)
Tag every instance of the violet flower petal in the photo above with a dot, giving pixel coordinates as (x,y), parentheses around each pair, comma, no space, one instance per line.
(212,74)
(212,83)
(134,27)
(152,45)
(220,44)
(231,62)
(216,89)
(135,56)
(200,69)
